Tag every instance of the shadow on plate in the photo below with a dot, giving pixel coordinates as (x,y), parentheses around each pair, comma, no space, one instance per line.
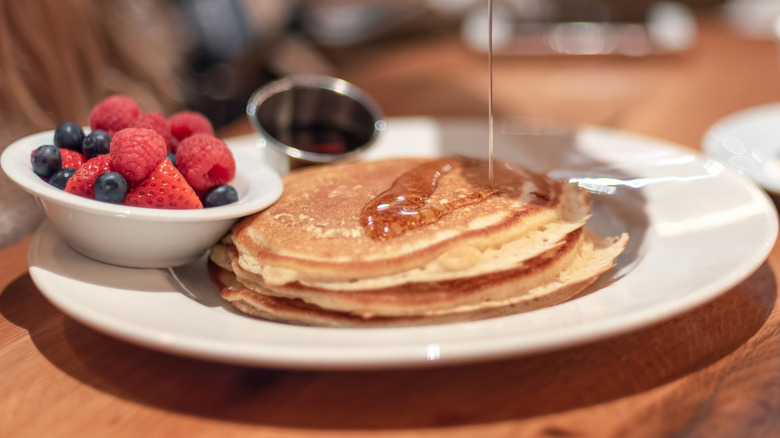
(688,348)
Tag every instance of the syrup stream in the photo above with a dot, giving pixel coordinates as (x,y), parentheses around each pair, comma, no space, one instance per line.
(490,93)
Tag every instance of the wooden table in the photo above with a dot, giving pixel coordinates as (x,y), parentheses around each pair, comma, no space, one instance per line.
(714,371)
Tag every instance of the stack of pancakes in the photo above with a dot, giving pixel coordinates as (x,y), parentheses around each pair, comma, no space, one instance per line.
(411,241)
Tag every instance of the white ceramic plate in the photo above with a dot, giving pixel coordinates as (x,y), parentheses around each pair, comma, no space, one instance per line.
(680,209)
(749,141)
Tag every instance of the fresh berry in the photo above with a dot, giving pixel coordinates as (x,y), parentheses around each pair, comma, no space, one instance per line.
(82,182)
(71,158)
(159,124)
(61,177)
(46,160)
(205,161)
(219,195)
(171,156)
(68,136)
(187,123)
(110,187)
(164,188)
(96,143)
(113,114)
(135,152)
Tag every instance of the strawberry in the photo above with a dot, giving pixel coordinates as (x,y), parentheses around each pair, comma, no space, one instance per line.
(71,158)
(165,187)
(82,182)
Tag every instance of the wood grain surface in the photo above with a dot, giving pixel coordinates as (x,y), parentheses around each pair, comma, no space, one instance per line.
(712,372)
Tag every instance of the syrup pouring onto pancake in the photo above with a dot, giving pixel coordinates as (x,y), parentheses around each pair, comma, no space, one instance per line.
(406,205)
(536,252)
(490,93)
(403,206)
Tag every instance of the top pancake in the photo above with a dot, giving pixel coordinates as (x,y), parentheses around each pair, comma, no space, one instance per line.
(314,232)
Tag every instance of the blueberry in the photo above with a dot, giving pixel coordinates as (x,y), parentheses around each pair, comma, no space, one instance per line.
(171,156)
(110,187)
(69,135)
(46,160)
(61,177)
(98,142)
(219,195)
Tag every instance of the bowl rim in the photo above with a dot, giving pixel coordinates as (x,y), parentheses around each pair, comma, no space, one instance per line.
(265,186)
(316,82)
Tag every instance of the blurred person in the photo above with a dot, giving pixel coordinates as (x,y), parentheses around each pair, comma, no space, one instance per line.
(60,57)
(234,47)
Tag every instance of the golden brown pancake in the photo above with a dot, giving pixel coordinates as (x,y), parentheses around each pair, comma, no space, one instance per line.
(313,232)
(295,311)
(411,241)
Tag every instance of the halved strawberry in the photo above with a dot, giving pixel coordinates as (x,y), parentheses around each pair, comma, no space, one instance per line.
(71,158)
(165,187)
(82,182)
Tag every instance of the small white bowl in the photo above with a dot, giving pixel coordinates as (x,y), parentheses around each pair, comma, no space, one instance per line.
(143,237)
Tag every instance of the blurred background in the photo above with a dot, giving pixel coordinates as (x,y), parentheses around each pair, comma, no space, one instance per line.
(568,61)
(59,57)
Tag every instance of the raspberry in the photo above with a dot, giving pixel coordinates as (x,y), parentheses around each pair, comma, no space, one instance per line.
(113,114)
(82,182)
(159,124)
(164,188)
(205,161)
(71,158)
(135,152)
(187,123)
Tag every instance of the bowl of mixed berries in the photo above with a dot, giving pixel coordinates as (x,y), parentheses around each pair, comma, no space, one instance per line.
(140,189)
